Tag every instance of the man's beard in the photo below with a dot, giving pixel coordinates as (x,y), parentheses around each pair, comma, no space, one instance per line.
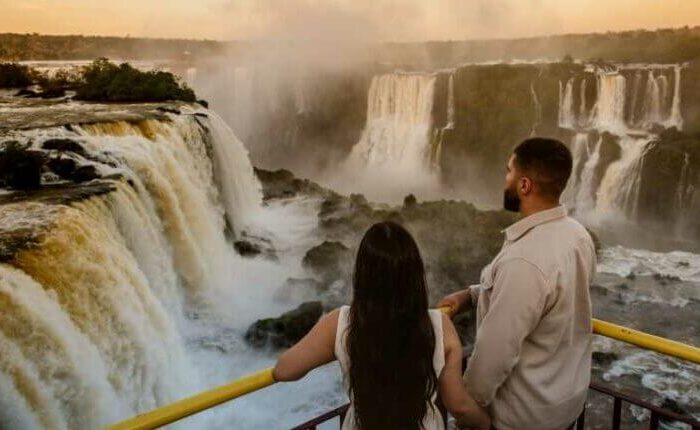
(511,201)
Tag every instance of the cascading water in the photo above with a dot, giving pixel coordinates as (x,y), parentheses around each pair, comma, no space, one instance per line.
(95,341)
(451,102)
(676,119)
(586,192)
(567,117)
(609,110)
(92,316)
(396,141)
(580,153)
(583,115)
(619,188)
(628,107)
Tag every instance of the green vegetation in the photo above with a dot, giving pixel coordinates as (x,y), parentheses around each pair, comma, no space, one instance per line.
(14,75)
(106,81)
(102,81)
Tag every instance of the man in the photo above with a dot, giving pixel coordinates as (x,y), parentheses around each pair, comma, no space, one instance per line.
(531,361)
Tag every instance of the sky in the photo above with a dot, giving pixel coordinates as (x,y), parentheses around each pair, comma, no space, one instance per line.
(362,20)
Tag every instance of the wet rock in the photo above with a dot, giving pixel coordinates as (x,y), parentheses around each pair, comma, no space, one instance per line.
(329,259)
(246,249)
(168,110)
(20,168)
(85,174)
(330,205)
(64,145)
(63,167)
(604,359)
(285,330)
(282,183)
(673,406)
(26,92)
(252,246)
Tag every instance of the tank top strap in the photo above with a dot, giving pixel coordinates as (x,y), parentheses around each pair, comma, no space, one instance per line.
(340,349)
(439,354)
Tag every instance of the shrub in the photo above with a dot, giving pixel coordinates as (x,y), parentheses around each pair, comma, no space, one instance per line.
(106,81)
(13,75)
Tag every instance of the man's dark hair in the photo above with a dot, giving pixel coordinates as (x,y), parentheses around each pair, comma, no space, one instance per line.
(548,161)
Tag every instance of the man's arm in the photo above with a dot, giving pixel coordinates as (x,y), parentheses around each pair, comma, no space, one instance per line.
(516,305)
(459,301)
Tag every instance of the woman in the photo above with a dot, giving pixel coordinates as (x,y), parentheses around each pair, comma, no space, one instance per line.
(396,355)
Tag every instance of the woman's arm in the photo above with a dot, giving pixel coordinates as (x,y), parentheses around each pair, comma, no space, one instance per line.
(451,387)
(314,350)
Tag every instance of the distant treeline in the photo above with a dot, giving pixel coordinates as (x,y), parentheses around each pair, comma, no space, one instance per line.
(639,46)
(22,47)
(644,46)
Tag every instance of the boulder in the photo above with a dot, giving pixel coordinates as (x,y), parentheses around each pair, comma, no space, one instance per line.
(604,359)
(63,167)
(85,174)
(329,259)
(20,167)
(246,248)
(64,145)
(285,330)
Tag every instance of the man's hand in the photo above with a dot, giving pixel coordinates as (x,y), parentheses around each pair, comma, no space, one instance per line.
(456,302)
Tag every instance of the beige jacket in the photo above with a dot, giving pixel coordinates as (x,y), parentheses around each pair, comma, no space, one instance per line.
(531,362)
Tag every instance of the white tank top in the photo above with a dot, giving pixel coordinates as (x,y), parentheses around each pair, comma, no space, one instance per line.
(433,419)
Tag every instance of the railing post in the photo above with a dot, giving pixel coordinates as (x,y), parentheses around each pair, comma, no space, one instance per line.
(654,421)
(617,413)
(581,420)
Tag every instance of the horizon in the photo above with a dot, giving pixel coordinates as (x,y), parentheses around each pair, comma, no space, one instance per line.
(385,21)
(192,39)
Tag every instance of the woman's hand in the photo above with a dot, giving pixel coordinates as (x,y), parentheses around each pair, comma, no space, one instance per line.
(458,402)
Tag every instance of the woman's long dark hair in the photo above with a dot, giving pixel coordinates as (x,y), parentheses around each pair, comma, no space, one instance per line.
(390,337)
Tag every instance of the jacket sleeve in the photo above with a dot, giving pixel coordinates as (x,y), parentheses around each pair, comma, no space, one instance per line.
(474,293)
(516,304)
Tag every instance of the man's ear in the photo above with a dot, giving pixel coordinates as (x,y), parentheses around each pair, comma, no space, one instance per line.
(525,185)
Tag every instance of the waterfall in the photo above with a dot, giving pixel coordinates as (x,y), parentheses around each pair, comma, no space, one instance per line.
(567,117)
(676,119)
(241,191)
(92,340)
(451,102)
(583,114)
(610,106)
(636,86)
(684,182)
(396,140)
(579,151)
(619,188)
(652,102)
(90,316)
(538,109)
(586,193)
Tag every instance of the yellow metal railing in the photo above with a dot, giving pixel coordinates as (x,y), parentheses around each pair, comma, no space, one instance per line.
(259,380)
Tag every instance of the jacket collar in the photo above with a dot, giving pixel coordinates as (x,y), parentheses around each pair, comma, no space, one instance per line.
(517,230)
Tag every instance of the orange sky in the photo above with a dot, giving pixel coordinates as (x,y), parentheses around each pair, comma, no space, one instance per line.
(395,20)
